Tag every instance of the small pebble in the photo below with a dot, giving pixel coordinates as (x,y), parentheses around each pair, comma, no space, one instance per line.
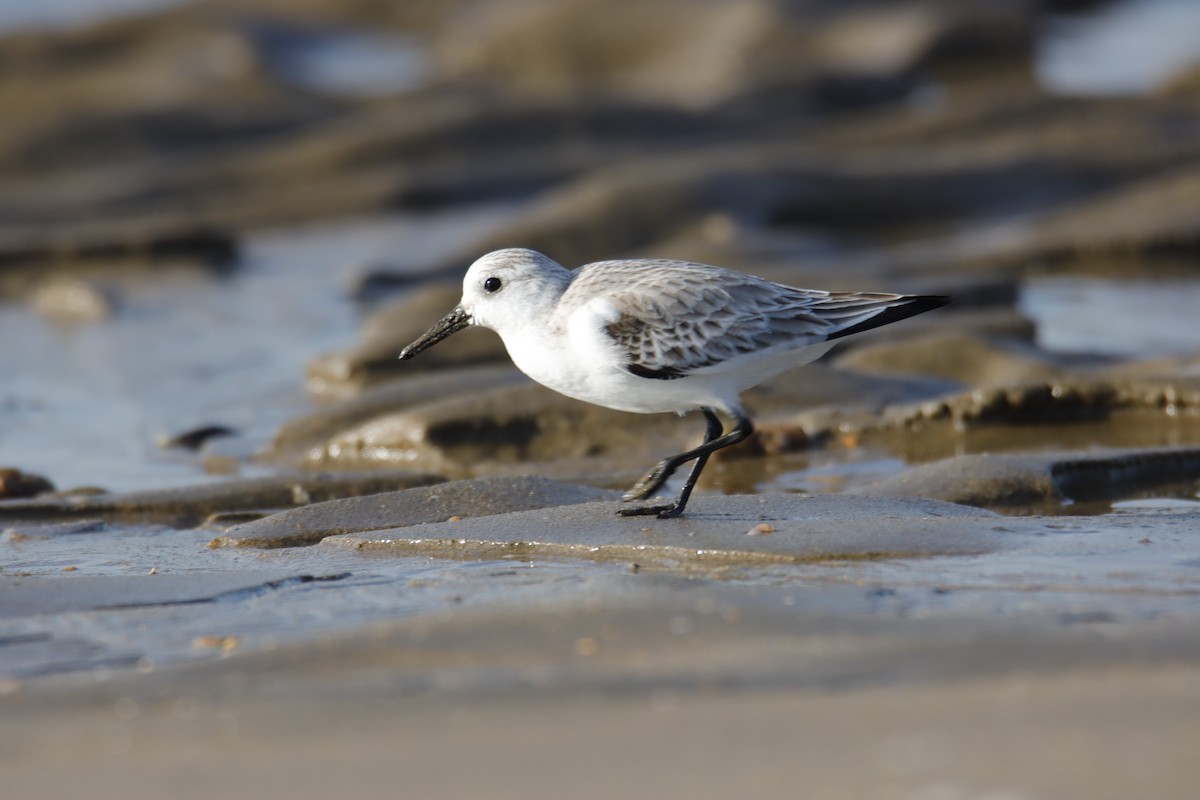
(195,438)
(15,483)
(223,643)
(71,300)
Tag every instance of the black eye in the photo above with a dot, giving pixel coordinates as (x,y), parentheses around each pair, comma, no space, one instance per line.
(491,285)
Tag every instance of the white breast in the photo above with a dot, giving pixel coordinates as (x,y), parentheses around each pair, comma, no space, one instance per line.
(575,357)
(570,355)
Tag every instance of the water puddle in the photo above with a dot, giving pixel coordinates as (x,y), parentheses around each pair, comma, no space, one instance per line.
(835,471)
(355,63)
(1120,48)
(1138,317)
(86,404)
(22,14)
(1170,503)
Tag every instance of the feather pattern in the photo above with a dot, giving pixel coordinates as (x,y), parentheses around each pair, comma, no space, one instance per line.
(712,315)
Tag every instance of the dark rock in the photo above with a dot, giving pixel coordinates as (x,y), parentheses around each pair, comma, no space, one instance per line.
(15,483)
(165,243)
(1045,483)
(195,438)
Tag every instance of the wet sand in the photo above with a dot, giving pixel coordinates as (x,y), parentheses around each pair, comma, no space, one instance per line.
(913,647)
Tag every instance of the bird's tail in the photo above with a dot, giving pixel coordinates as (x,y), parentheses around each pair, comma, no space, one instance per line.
(852,313)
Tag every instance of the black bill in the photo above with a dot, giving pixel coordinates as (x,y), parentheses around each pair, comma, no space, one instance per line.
(453,322)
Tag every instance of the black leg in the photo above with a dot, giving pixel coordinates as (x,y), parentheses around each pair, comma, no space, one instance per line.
(713,441)
(654,480)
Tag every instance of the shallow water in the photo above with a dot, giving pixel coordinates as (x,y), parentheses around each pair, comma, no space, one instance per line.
(1141,317)
(21,14)
(151,596)
(355,63)
(110,611)
(1120,48)
(85,404)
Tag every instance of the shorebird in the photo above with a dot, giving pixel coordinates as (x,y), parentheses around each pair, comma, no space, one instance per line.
(652,335)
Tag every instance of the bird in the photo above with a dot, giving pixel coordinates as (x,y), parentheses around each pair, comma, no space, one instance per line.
(657,335)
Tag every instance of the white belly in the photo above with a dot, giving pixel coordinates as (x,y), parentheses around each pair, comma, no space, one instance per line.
(586,368)
(594,377)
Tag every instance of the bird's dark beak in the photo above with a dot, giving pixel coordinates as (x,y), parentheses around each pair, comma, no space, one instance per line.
(453,322)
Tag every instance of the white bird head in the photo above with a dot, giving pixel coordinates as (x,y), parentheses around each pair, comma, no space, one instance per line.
(504,290)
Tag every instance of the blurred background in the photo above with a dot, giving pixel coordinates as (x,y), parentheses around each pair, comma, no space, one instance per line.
(224,219)
(221,220)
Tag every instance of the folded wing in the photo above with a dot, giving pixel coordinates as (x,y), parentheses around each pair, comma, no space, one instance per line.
(672,319)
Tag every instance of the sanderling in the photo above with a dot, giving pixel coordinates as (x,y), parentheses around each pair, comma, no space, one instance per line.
(654,335)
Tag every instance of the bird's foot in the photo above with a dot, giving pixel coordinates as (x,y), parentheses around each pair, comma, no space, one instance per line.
(667,511)
(651,483)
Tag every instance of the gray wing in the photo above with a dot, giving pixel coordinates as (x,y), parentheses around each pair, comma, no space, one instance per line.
(674,318)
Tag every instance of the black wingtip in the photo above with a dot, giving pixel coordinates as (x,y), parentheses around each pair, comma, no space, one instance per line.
(913,305)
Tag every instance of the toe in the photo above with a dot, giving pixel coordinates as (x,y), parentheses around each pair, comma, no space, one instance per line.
(643,511)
